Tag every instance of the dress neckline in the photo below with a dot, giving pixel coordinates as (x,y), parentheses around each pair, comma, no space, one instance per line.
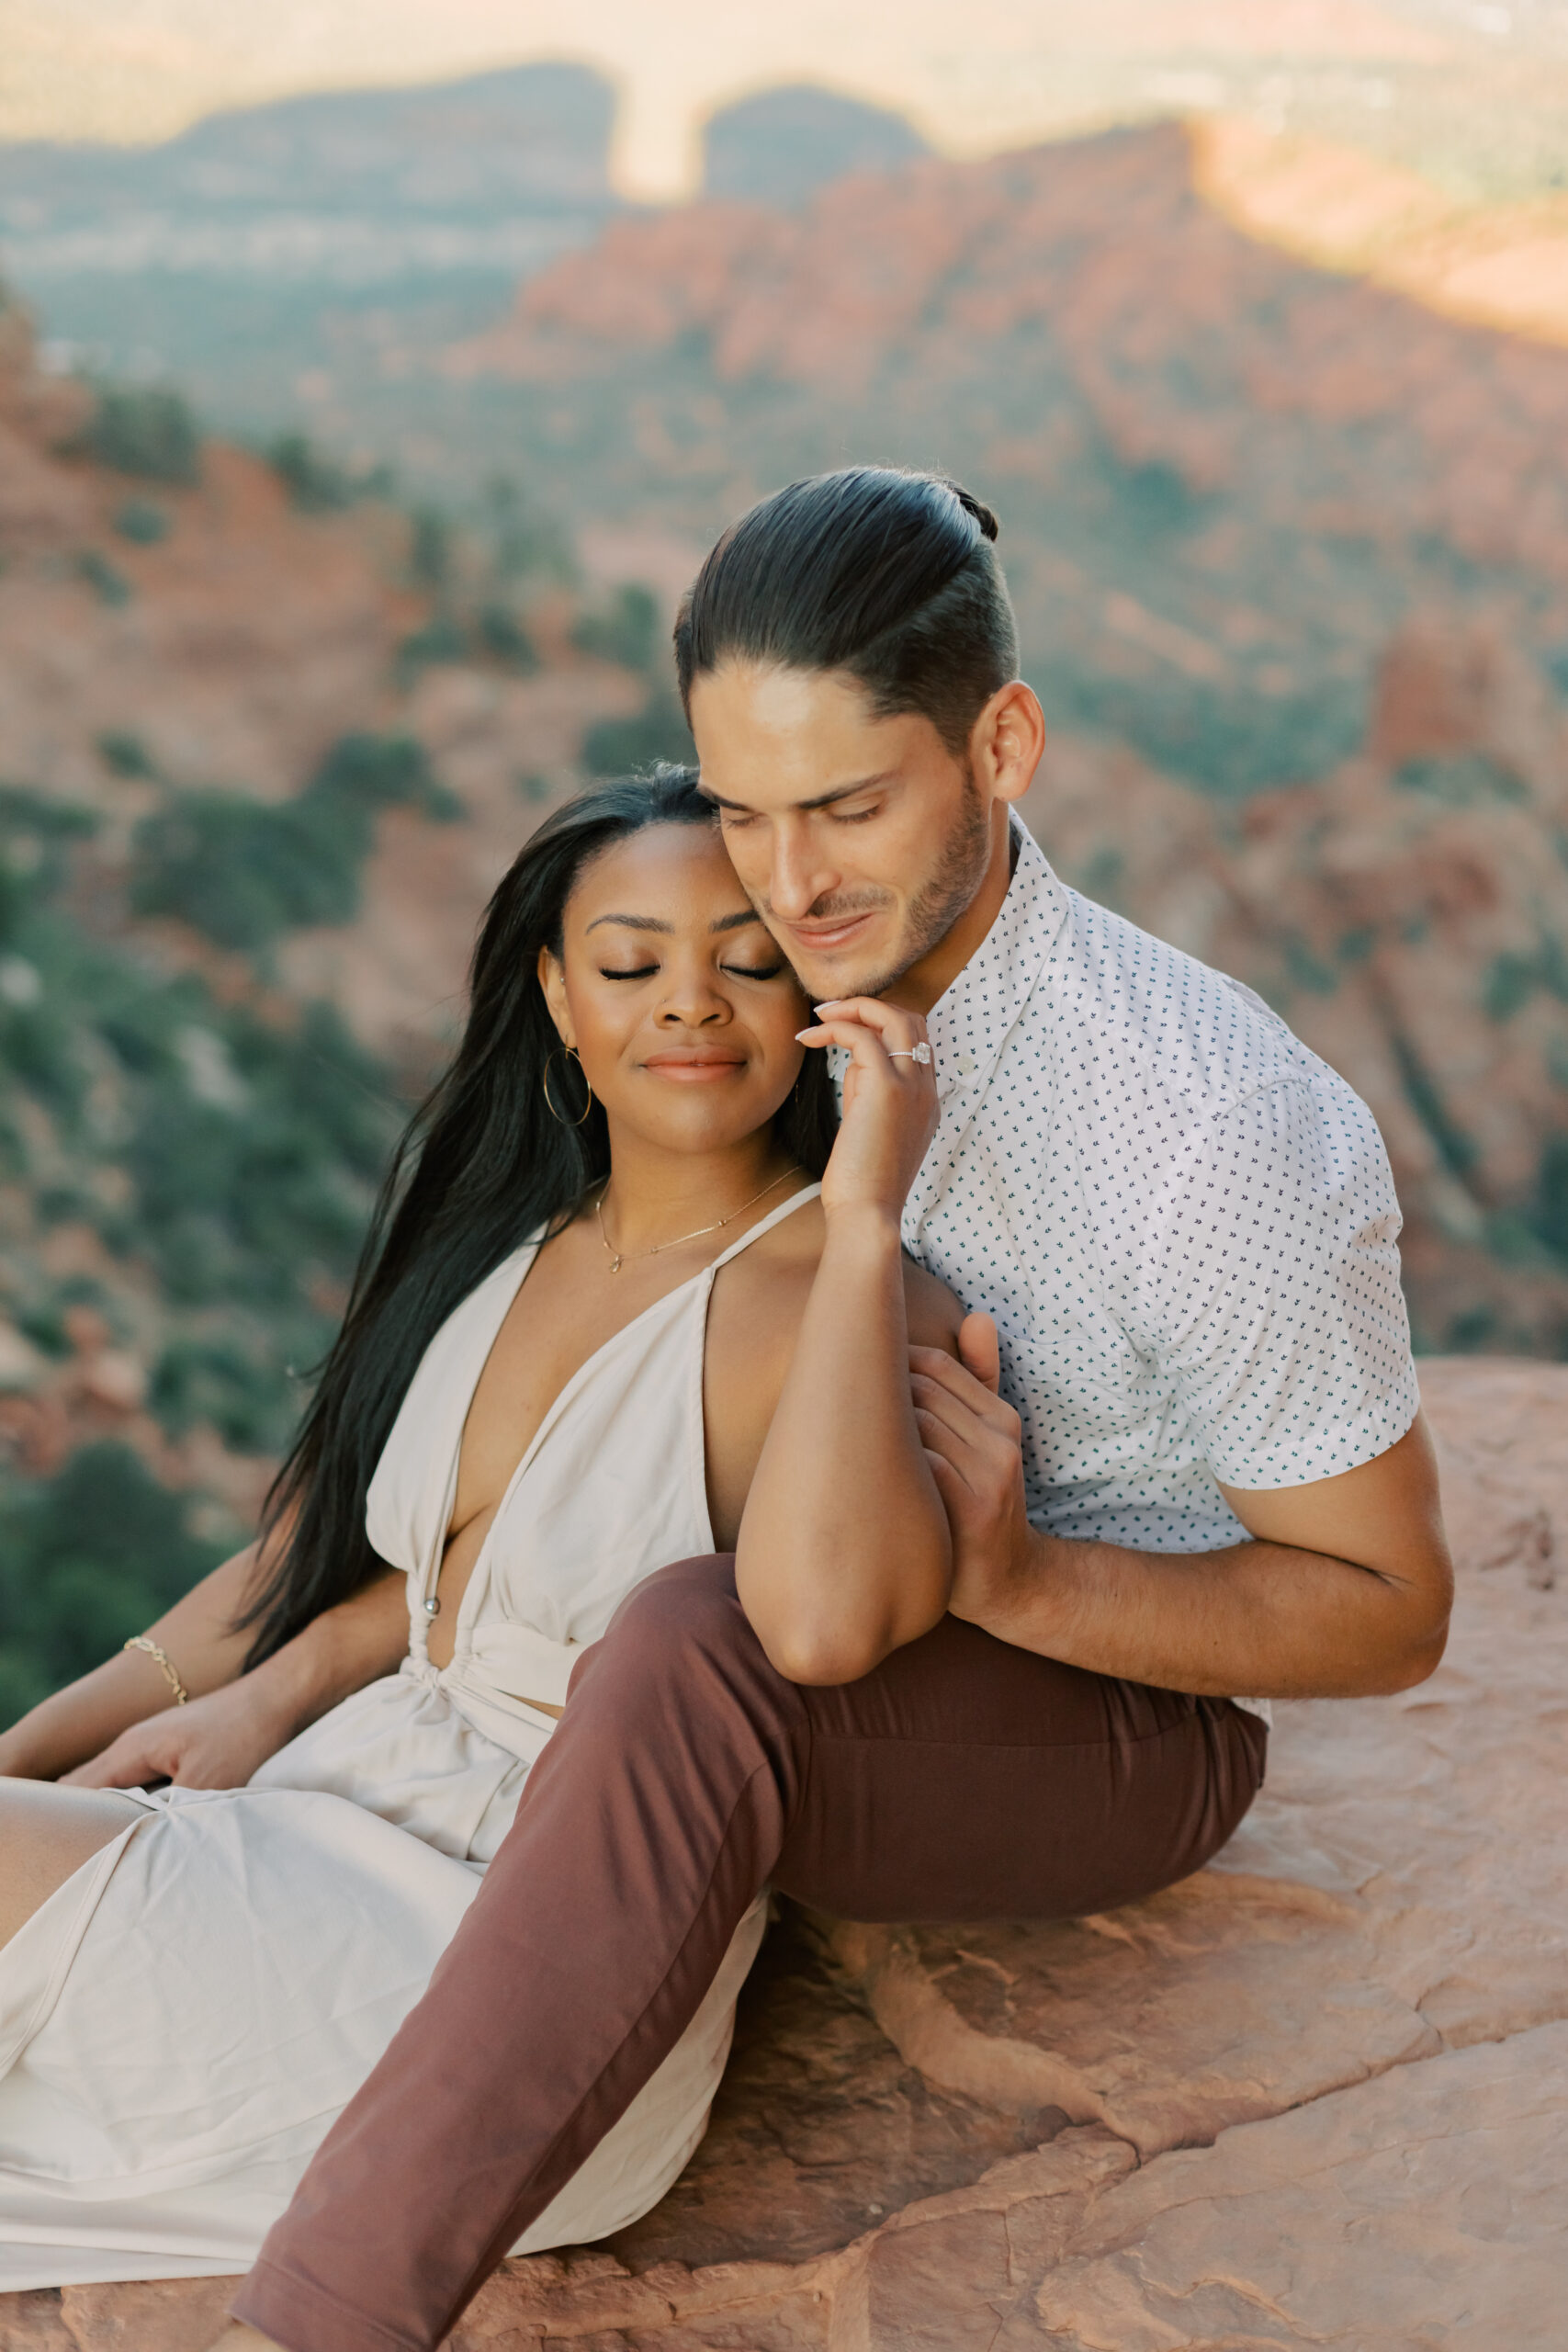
(525,1257)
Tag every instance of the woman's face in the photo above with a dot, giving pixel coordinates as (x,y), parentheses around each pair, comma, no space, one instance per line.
(678,1001)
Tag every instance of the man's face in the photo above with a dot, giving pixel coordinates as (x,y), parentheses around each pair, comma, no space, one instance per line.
(861,840)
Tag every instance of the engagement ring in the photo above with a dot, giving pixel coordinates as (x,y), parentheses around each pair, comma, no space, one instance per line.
(921,1053)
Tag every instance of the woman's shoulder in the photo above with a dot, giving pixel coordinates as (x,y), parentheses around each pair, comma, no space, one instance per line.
(784,1261)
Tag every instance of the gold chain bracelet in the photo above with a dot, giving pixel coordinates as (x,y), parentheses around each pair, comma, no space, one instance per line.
(144,1642)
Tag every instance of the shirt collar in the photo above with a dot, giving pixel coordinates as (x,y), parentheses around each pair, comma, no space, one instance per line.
(971,1020)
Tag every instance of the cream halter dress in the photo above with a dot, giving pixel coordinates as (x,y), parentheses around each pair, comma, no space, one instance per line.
(182,2020)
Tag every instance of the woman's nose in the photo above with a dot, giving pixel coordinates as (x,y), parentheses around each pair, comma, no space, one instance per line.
(692,1002)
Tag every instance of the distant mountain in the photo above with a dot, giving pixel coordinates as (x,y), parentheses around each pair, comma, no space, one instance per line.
(780,146)
(232,258)
(293,263)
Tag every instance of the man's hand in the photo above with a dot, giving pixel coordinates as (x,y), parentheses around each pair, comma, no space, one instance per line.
(1343,1588)
(216,1742)
(972,1438)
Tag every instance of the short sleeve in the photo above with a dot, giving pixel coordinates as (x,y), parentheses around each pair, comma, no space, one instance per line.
(1272,1297)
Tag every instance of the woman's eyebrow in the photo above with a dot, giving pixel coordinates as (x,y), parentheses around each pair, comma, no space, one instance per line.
(656,922)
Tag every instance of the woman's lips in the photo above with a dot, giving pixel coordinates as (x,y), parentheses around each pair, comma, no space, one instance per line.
(693,1070)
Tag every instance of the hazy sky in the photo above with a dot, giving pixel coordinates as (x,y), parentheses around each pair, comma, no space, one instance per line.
(974,74)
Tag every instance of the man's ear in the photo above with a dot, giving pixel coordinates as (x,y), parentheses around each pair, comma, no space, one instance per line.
(552,980)
(1008,741)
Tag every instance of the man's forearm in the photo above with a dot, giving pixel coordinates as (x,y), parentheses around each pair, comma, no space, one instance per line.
(1269,1620)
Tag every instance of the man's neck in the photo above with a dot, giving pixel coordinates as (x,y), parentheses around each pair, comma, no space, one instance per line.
(918,989)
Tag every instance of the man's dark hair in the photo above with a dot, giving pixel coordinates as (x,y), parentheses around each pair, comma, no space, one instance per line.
(887,576)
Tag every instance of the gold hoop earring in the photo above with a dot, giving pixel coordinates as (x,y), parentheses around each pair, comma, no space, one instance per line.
(572,1055)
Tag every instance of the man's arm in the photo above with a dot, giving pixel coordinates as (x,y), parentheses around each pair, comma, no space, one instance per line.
(1345,1589)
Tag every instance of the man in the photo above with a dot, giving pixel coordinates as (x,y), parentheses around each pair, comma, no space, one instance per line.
(1204,1474)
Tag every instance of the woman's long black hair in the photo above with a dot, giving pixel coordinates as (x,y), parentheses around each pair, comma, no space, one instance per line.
(482,1164)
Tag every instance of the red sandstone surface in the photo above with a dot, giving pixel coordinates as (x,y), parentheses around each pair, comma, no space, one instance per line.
(1317,2095)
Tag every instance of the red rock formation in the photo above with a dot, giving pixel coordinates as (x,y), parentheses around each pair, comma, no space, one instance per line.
(1317,2095)
(1187,345)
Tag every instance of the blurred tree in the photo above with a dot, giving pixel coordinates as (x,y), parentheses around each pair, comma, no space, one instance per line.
(244,872)
(88,1558)
(659,731)
(626,630)
(145,432)
(142,522)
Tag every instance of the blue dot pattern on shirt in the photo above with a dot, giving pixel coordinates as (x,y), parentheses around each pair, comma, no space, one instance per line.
(1183,1222)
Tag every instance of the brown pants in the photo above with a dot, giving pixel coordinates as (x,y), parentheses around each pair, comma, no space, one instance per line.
(962,1780)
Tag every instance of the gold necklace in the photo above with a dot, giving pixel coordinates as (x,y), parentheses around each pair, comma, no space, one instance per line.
(618,1257)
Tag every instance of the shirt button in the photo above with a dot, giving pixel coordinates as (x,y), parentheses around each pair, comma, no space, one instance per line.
(966,1065)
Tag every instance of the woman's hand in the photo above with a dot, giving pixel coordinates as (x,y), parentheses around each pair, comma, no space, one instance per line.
(212,1743)
(890,1105)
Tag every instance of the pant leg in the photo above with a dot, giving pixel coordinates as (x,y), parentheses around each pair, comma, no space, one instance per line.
(964,1779)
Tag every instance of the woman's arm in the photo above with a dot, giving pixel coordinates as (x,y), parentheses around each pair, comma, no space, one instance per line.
(117,1726)
(844,1552)
(197,1633)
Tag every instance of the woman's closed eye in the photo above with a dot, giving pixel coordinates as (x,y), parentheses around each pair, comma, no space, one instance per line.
(648,971)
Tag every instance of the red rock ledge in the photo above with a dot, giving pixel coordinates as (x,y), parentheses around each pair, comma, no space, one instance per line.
(1317,2095)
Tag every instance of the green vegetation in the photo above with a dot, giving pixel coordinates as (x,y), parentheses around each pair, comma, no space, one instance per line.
(94,568)
(1512,979)
(442,639)
(232,1159)
(125,753)
(659,731)
(1457,1150)
(316,483)
(526,541)
(88,1558)
(1223,737)
(430,546)
(504,636)
(626,630)
(244,872)
(1549,1211)
(1462,781)
(225,1165)
(145,432)
(142,522)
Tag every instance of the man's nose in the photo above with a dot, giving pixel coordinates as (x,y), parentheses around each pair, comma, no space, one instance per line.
(799,875)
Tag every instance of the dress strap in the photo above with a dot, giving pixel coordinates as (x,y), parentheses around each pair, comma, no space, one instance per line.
(766,1225)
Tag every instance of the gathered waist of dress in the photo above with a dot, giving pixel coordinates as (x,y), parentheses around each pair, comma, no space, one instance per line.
(506,1677)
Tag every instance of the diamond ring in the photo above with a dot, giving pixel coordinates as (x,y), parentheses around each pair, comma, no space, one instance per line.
(921,1053)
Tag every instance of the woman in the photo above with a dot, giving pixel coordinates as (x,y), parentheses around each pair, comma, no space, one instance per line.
(603,1323)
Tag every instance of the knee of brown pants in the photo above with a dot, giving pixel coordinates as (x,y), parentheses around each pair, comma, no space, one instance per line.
(681,1610)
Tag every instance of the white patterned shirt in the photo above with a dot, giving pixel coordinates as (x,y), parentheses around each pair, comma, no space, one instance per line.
(1183,1222)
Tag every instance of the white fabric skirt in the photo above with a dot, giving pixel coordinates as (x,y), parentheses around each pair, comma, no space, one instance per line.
(181,2023)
